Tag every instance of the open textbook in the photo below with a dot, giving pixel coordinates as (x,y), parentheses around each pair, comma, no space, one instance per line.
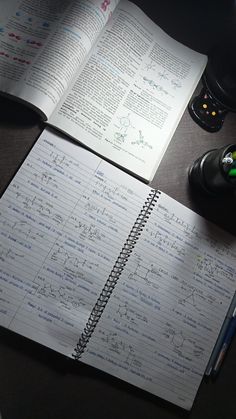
(100,71)
(98,266)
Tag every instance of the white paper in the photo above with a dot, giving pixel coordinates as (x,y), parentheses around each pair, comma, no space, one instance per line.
(128,97)
(164,316)
(63,221)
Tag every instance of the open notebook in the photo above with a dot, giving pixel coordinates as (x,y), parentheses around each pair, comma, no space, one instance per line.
(98,266)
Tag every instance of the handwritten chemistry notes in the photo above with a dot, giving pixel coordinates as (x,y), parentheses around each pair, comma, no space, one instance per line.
(161,323)
(63,221)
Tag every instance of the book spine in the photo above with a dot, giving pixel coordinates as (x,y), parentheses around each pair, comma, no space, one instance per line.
(118,267)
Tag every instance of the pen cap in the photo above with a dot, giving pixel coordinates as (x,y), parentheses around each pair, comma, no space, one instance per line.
(209,174)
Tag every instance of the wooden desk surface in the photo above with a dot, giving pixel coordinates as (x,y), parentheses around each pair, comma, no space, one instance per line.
(36,383)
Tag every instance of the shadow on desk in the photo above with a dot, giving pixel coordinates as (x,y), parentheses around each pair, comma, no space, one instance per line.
(41,368)
(15,114)
(221,211)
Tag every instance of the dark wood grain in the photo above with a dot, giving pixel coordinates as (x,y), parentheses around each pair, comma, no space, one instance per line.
(37,383)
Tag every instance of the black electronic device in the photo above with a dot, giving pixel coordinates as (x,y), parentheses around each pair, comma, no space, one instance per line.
(218,95)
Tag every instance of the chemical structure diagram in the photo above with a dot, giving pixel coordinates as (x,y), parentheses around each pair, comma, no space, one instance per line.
(123,125)
(141,142)
(126,312)
(146,274)
(182,345)
(163,75)
(62,257)
(194,298)
(176,83)
(121,135)
(190,298)
(155,86)
(66,298)
(151,65)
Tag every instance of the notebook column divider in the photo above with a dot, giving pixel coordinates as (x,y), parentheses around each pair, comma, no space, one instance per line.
(116,271)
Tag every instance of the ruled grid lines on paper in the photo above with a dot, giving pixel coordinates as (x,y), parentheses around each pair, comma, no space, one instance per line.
(64,219)
(162,320)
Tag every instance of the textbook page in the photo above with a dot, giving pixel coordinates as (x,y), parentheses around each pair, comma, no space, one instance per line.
(42,44)
(165,313)
(63,221)
(128,97)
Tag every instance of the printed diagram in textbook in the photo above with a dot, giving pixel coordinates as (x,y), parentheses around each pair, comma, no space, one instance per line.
(123,125)
(153,75)
(126,131)
(153,85)
(141,142)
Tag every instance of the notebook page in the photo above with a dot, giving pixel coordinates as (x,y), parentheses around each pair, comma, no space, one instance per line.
(63,221)
(162,320)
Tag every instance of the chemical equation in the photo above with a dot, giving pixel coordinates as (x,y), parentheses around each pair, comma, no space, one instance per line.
(100,211)
(191,231)
(165,242)
(22,228)
(86,231)
(184,346)
(213,268)
(46,178)
(110,192)
(162,75)
(40,207)
(8,254)
(118,347)
(60,160)
(155,86)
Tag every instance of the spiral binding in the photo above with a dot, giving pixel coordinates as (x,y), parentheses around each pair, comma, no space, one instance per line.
(118,267)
